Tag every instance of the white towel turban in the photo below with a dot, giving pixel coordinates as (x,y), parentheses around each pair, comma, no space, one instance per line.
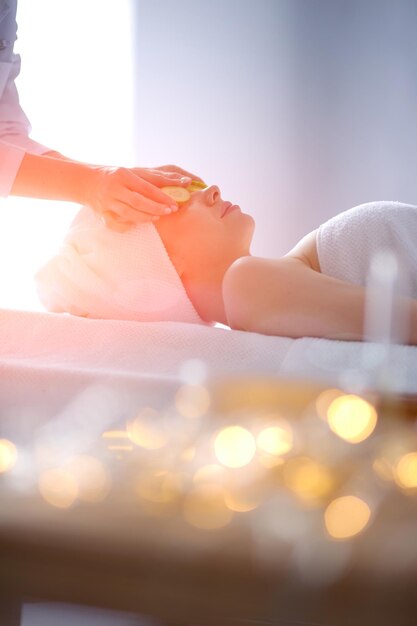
(103,274)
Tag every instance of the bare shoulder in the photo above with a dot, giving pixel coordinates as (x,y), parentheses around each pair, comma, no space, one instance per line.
(255,286)
(306,251)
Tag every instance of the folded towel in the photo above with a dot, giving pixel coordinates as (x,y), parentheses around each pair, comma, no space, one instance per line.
(103,274)
(347,243)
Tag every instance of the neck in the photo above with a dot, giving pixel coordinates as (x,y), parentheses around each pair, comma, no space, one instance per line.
(207,300)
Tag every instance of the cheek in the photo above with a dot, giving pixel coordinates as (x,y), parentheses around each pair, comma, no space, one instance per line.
(221,243)
(192,240)
(203,242)
(222,249)
(204,245)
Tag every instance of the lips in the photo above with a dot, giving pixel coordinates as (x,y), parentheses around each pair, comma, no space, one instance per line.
(226,208)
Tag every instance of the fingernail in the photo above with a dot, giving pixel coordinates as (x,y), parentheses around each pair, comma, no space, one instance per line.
(185,179)
(168,210)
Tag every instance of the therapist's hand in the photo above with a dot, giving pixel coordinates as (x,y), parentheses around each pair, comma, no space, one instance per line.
(148,207)
(123,197)
(165,175)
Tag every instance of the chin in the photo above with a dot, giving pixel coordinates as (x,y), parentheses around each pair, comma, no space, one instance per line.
(248,230)
(250,219)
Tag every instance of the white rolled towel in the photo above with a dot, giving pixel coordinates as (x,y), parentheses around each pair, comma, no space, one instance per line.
(347,242)
(103,274)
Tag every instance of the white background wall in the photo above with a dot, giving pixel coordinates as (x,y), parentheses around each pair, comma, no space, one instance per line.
(211,84)
(298,109)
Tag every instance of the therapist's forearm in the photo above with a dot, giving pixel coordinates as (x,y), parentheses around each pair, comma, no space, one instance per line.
(56,155)
(41,176)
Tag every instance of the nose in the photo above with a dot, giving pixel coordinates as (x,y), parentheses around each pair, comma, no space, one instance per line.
(212,194)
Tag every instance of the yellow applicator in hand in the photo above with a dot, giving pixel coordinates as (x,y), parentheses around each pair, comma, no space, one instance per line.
(181,195)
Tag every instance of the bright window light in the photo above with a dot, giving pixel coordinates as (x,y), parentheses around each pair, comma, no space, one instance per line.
(76,87)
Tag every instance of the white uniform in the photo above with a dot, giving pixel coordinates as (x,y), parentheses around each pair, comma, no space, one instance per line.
(14,125)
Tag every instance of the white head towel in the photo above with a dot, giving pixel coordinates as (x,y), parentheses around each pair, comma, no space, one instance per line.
(103,274)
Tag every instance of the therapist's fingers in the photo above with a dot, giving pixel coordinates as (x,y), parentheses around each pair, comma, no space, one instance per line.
(137,205)
(119,225)
(178,170)
(113,222)
(131,207)
(162,179)
(116,223)
(147,190)
(126,195)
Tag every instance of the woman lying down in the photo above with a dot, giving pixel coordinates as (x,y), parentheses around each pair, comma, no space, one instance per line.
(195,266)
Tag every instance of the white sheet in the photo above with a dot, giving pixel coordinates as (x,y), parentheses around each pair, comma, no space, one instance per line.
(47,359)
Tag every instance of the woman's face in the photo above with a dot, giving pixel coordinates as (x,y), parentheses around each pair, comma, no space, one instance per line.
(205,236)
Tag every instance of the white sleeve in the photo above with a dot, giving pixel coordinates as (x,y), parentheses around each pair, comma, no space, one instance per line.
(10,160)
(14,125)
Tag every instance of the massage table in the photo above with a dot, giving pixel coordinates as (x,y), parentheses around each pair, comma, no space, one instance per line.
(60,374)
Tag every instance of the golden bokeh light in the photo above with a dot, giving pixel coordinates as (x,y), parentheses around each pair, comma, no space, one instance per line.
(308,479)
(241,502)
(120,447)
(352,418)
(188,454)
(209,473)
(8,455)
(383,468)
(234,446)
(275,440)
(324,400)
(204,507)
(92,479)
(406,471)
(346,516)
(58,487)
(115,434)
(146,431)
(159,486)
(192,401)
(270,461)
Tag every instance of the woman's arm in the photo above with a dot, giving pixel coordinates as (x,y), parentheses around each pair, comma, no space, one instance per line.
(286,297)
